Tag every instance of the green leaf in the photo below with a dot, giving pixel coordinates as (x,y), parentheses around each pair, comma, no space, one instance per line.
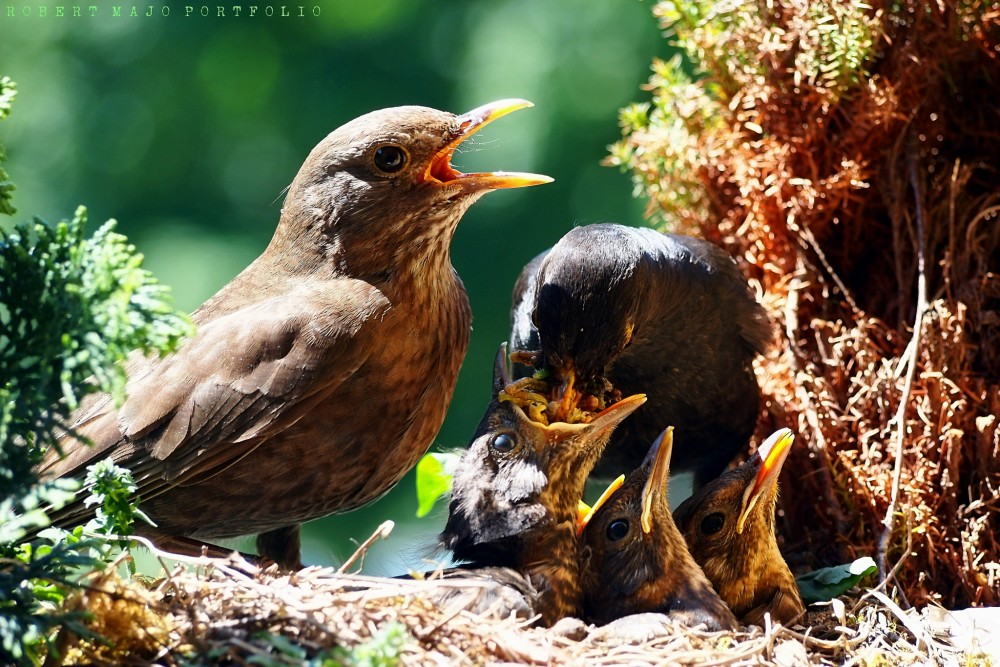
(829,582)
(8,90)
(434,473)
(283,645)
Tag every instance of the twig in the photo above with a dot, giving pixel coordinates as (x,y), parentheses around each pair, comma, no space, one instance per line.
(924,640)
(811,242)
(819,447)
(910,359)
(828,645)
(380,533)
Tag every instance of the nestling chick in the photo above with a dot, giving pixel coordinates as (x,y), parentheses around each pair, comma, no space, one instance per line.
(729,527)
(516,491)
(635,560)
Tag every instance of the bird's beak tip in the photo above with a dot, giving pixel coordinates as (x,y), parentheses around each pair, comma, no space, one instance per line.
(586,512)
(660,453)
(771,455)
(492,110)
(439,171)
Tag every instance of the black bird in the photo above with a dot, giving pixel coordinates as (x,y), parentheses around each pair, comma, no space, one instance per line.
(729,527)
(634,558)
(635,310)
(516,491)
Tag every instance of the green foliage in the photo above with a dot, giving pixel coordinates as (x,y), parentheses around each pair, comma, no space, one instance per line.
(34,580)
(72,309)
(660,141)
(285,651)
(8,89)
(24,510)
(113,491)
(739,45)
(829,582)
(837,45)
(749,61)
(434,476)
(711,34)
(383,649)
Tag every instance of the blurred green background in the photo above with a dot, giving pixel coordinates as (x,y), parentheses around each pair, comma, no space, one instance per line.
(186,130)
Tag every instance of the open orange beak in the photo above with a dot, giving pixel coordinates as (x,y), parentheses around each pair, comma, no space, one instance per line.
(770,456)
(440,171)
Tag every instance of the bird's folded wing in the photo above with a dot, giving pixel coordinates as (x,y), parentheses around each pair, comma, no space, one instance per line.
(784,608)
(243,377)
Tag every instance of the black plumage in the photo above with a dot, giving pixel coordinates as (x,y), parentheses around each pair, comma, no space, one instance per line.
(666,315)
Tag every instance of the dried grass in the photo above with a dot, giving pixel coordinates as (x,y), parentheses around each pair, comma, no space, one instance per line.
(869,215)
(229,611)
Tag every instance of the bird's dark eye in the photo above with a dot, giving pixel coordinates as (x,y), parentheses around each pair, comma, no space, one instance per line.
(391,159)
(503,443)
(712,523)
(617,530)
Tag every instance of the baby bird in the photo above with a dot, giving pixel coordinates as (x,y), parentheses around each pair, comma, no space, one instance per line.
(729,527)
(635,558)
(516,490)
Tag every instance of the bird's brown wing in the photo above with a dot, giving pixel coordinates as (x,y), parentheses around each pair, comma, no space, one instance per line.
(243,377)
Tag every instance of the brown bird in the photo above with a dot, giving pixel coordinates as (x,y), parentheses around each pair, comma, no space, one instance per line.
(634,558)
(516,491)
(729,526)
(320,374)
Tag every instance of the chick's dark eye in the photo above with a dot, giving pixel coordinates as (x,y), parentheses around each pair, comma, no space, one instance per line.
(712,523)
(503,443)
(617,530)
(391,159)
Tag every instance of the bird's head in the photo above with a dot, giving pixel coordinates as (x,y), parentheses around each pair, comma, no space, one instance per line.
(519,475)
(729,524)
(631,547)
(595,273)
(634,557)
(384,181)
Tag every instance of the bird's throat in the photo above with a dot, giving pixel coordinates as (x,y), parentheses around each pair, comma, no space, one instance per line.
(551,563)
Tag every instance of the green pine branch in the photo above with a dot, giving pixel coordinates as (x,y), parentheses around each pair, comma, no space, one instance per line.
(72,310)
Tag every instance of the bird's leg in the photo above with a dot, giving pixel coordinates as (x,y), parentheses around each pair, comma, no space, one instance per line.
(283,546)
(188,546)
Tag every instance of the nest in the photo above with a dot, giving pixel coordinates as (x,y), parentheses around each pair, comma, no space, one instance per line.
(865,204)
(229,611)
